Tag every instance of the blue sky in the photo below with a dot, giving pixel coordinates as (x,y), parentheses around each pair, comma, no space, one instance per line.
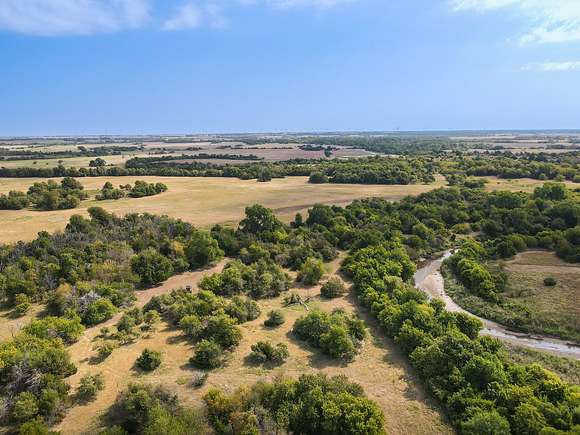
(188,66)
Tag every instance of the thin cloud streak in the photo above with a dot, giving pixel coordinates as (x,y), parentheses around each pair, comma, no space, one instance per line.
(551,21)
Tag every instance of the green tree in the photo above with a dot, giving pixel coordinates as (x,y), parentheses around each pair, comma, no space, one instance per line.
(202,250)
(151,267)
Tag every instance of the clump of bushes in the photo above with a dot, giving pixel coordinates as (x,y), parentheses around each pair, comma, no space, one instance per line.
(208,319)
(311,271)
(333,288)
(292,298)
(147,409)
(53,196)
(22,302)
(149,360)
(275,318)
(313,404)
(266,352)
(262,279)
(337,334)
(90,385)
(550,281)
(318,178)
(208,355)
(104,350)
(142,188)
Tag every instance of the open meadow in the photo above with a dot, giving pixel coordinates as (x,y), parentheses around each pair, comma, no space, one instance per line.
(201,201)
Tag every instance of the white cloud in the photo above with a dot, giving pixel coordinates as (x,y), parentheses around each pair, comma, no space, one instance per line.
(552,21)
(87,17)
(76,17)
(553,66)
(188,16)
(320,4)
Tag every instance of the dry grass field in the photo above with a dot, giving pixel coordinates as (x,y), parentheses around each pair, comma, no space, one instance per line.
(379,368)
(201,201)
(519,184)
(557,305)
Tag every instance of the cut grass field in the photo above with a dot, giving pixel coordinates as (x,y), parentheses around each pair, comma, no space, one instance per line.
(201,201)
(527,304)
(380,368)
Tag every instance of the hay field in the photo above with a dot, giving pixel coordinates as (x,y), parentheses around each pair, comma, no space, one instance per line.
(201,201)
(380,368)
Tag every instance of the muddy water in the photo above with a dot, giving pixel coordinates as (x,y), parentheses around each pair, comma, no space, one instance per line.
(429,279)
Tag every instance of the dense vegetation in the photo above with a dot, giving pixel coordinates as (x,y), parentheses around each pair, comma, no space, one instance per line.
(540,166)
(311,405)
(46,196)
(139,190)
(371,170)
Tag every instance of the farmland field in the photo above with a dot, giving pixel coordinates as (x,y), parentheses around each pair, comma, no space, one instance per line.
(201,201)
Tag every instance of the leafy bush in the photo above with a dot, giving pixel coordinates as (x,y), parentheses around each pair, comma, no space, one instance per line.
(90,385)
(151,267)
(266,352)
(149,360)
(275,318)
(202,250)
(318,178)
(337,334)
(104,350)
(22,302)
(98,311)
(550,281)
(305,405)
(208,355)
(311,271)
(262,279)
(333,288)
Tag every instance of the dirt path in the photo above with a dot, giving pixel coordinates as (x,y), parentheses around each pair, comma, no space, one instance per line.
(429,279)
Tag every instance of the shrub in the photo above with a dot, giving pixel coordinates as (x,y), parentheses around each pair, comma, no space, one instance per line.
(333,288)
(90,385)
(149,360)
(25,407)
(311,271)
(266,352)
(104,350)
(208,355)
(22,302)
(151,318)
(337,334)
(35,427)
(550,281)
(151,267)
(99,311)
(202,250)
(318,178)
(292,298)
(275,318)
(21,309)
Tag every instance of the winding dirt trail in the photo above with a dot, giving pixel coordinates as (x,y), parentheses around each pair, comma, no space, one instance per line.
(429,279)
